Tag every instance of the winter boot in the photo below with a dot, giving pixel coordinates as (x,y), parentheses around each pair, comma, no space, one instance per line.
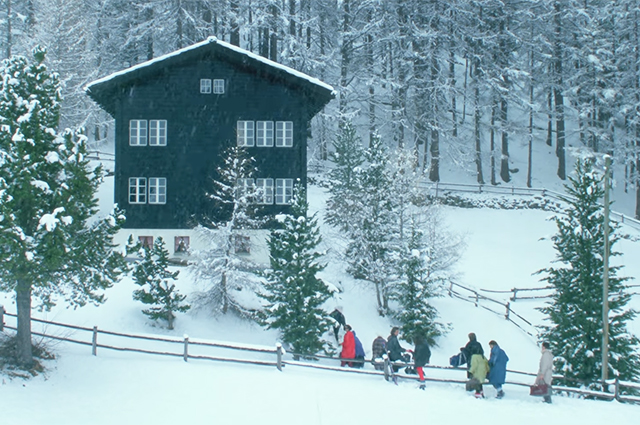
(500,394)
(422,386)
(479,395)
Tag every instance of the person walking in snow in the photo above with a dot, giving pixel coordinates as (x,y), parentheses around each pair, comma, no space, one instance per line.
(497,367)
(394,348)
(338,321)
(422,355)
(378,349)
(545,370)
(479,369)
(359,357)
(472,347)
(348,346)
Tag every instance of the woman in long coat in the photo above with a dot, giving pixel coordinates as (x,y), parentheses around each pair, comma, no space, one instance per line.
(348,346)
(545,371)
(498,367)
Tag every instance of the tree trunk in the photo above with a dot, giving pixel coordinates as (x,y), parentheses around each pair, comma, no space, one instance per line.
(23,307)
(223,291)
(558,97)
(492,145)
(504,158)
(234,36)
(550,118)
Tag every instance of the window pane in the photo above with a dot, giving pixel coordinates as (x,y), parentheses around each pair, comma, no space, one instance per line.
(284,191)
(245,131)
(205,85)
(264,133)
(157,190)
(137,190)
(137,132)
(264,189)
(284,133)
(218,86)
(157,132)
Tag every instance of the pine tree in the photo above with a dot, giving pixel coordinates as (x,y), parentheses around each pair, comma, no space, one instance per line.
(152,274)
(348,157)
(575,312)
(294,293)
(417,285)
(52,242)
(370,253)
(220,266)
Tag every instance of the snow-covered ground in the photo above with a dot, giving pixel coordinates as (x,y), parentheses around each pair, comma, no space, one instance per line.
(503,250)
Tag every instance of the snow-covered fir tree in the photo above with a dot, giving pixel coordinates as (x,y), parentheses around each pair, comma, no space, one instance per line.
(348,157)
(53,244)
(151,272)
(416,286)
(370,252)
(220,266)
(575,312)
(293,291)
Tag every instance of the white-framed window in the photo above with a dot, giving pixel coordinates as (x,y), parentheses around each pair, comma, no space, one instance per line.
(218,86)
(284,134)
(146,241)
(284,191)
(242,244)
(157,190)
(137,190)
(157,132)
(205,85)
(264,133)
(181,244)
(264,191)
(244,187)
(246,133)
(138,132)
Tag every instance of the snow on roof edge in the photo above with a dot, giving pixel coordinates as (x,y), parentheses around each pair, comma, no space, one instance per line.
(204,43)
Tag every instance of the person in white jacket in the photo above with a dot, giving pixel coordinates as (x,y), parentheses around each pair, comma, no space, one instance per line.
(545,371)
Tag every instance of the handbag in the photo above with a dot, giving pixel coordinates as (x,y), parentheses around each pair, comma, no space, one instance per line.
(539,389)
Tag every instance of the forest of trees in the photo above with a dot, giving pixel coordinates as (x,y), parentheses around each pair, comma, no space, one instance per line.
(458,78)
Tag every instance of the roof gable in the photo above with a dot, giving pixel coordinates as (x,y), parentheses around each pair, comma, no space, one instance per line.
(104,90)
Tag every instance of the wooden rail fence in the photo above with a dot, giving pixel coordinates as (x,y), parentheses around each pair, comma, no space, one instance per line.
(441,188)
(320,362)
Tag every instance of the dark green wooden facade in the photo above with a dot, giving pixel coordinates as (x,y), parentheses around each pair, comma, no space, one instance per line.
(201,126)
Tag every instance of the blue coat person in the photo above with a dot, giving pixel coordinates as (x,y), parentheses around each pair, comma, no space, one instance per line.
(498,364)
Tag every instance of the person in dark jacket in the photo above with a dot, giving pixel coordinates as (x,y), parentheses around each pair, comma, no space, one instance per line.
(359,352)
(498,367)
(339,321)
(421,357)
(472,347)
(378,349)
(348,346)
(394,348)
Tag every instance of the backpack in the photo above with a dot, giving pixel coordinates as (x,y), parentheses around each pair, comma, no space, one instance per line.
(458,360)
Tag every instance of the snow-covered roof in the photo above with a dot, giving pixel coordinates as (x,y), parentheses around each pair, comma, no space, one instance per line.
(112,79)
(204,43)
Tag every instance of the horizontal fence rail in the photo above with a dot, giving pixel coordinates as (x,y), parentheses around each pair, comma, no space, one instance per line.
(440,189)
(275,357)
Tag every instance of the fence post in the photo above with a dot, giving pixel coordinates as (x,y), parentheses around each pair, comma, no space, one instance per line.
(450,289)
(94,341)
(506,316)
(185,356)
(616,386)
(1,318)
(386,367)
(279,356)
(476,299)
(515,294)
